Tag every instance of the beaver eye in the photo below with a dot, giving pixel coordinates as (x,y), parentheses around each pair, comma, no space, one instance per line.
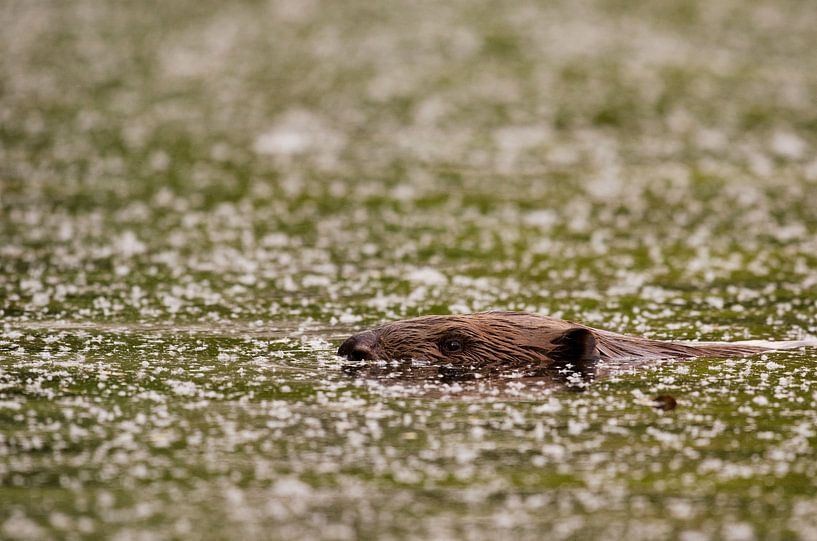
(452,345)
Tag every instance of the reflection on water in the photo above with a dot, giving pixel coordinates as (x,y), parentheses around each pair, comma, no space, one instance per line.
(422,379)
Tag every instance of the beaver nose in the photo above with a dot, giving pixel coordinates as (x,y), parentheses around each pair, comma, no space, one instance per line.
(358,348)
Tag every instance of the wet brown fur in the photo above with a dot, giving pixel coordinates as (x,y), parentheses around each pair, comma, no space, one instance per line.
(502,341)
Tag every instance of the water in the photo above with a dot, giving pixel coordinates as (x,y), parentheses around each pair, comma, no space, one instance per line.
(201,201)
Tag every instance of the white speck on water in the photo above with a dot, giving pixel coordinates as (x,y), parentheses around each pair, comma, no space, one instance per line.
(128,244)
(183,388)
(427,276)
(715,302)
(348,317)
(574,427)
(543,219)
(553,405)
(788,145)
(8,404)
(19,526)
(459,309)
(297,132)
(738,531)
(554,451)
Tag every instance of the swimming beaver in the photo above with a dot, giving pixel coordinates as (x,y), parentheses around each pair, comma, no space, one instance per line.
(528,344)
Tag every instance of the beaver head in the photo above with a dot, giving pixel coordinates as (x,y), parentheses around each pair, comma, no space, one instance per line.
(485,342)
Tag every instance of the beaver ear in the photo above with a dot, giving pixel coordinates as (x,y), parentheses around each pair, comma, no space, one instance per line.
(575,357)
(576,346)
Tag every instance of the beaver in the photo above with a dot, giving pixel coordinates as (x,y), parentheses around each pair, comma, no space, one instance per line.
(527,344)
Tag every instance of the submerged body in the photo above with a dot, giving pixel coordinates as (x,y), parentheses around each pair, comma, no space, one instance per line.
(524,343)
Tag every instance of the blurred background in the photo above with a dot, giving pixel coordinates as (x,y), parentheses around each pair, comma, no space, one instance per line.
(287,151)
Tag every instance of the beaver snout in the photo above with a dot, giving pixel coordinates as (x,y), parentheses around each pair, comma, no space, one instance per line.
(359,347)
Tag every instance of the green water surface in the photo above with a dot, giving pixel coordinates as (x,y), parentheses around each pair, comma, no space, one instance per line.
(200,200)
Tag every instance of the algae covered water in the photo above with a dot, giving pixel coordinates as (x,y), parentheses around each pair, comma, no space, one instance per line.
(199,201)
